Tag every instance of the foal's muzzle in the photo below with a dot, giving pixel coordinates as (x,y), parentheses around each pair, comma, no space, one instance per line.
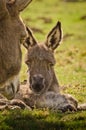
(37,83)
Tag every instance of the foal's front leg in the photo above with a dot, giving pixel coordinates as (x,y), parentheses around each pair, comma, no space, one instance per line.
(53,101)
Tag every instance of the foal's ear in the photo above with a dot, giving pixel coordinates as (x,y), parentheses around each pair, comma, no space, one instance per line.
(54,37)
(30,40)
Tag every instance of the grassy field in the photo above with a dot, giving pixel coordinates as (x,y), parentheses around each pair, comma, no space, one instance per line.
(70,68)
(42,120)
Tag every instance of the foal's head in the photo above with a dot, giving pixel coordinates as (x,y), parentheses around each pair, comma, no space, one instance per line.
(40,59)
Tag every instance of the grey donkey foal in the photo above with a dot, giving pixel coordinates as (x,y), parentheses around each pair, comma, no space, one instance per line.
(43,87)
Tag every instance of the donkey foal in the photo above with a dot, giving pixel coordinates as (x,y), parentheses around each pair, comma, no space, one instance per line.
(42,84)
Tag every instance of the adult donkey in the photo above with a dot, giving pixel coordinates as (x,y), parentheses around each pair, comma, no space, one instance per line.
(12,34)
(43,86)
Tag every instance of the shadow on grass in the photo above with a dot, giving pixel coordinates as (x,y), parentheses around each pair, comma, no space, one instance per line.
(38,120)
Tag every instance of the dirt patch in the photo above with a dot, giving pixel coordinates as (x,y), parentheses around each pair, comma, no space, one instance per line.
(37,30)
(45,20)
(67,35)
(83,17)
(28,19)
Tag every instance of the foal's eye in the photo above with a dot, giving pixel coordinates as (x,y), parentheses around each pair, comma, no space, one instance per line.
(28,62)
(51,64)
(28,70)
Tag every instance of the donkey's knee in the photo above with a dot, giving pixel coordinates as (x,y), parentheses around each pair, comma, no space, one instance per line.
(10,88)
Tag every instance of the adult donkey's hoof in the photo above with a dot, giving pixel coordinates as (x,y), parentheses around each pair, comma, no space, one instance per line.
(3,102)
(17,103)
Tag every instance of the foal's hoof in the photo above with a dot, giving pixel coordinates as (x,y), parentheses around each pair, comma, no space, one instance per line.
(68,107)
(19,104)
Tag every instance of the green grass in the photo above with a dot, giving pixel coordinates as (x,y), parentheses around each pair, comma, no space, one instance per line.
(70,68)
(42,120)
